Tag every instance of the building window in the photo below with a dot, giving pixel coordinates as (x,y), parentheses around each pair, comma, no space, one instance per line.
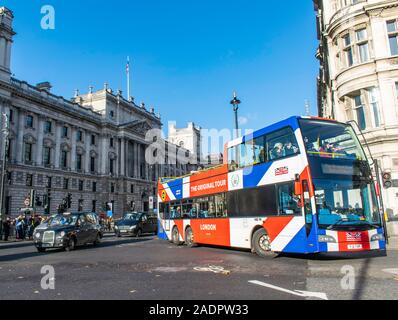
(348,50)
(112,188)
(48,127)
(111,142)
(94,186)
(363,45)
(29,180)
(49,182)
(29,121)
(93,139)
(79,162)
(80,205)
(79,136)
(392,31)
(11,116)
(111,114)
(28,152)
(94,206)
(65,132)
(81,185)
(374,105)
(47,156)
(64,159)
(360,112)
(111,166)
(66,184)
(131,188)
(92,164)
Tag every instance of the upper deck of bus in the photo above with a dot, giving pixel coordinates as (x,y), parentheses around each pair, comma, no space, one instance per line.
(292,122)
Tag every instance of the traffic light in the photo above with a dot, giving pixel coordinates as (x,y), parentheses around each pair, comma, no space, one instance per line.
(387,180)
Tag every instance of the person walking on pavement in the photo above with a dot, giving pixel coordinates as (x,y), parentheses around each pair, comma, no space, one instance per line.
(6,229)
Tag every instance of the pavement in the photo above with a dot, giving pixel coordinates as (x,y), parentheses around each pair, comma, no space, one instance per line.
(149,268)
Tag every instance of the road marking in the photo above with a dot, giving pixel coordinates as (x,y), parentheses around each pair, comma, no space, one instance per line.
(392,271)
(304,294)
(214,269)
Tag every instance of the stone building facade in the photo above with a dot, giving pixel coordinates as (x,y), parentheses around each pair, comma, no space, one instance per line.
(189,138)
(358,79)
(92,146)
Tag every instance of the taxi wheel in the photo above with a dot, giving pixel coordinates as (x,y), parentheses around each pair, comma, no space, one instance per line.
(261,244)
(189,238)
(97,240)
(71,245)
(175,236)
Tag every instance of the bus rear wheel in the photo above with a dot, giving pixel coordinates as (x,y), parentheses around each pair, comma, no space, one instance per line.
(189,238)
(261,244)
(175,236)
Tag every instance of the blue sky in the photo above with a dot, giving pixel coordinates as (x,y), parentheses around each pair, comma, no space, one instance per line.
(187,56)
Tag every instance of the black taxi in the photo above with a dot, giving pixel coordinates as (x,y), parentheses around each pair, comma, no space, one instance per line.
(136,224)
(67,231)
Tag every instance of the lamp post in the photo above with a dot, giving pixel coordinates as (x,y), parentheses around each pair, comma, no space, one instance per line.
(6,134)
(235,102)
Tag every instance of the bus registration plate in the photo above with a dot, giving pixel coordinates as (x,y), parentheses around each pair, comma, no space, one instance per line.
(355,246)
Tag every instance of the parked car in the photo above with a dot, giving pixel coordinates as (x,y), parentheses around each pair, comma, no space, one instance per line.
(67,231)
(136,224)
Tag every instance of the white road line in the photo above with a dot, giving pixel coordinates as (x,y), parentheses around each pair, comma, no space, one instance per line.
(391,271)
(304,294)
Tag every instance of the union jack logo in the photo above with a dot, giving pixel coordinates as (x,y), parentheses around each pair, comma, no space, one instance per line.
(354,236)
(281,171)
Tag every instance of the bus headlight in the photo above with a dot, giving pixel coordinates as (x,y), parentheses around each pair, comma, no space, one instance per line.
(377,237)
(328,239)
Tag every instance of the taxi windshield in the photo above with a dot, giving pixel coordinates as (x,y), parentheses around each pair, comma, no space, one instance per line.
(132,216)
(62,220)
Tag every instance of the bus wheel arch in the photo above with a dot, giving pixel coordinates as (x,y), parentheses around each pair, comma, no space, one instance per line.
(261,243)
(175,236)
(189,237)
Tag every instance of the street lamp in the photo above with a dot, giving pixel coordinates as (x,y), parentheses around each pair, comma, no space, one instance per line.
(6,134)
(235,102)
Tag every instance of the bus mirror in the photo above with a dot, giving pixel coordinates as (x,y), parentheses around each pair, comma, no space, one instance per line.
(298,191)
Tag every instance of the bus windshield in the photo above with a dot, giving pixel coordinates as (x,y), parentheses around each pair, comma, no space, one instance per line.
(346,203)
(331,140)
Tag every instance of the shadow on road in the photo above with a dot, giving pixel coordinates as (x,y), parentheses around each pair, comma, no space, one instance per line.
(11,245)
(26,255)
(335,256)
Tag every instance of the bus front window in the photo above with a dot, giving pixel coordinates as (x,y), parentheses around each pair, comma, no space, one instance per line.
(346,203)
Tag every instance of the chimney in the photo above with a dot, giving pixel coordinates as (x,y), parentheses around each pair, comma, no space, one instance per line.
(44,86)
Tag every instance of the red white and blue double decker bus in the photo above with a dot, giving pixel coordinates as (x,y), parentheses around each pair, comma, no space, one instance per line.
(302,185)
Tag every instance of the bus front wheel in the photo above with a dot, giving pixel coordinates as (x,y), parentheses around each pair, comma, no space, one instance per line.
(175,236)
(189,238)
(261,244)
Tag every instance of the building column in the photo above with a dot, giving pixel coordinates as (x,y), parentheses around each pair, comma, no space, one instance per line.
(122,157)
(58,129)
(104,155)
(73,151)
(21,132)
(39,145)
(87,158)
(139,162)
(7,61)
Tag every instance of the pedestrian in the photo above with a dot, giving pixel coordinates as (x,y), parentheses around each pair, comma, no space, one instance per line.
(6,229)
(19,227)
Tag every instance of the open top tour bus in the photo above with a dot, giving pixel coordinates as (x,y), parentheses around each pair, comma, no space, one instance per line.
(302,185)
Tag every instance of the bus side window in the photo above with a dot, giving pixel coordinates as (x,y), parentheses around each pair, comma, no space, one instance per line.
(288,203)
(232,159)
